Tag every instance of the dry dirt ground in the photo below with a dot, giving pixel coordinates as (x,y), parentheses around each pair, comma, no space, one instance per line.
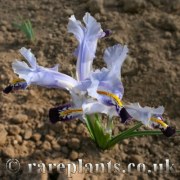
(150,75)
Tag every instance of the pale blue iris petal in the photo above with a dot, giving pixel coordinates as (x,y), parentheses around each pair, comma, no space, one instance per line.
(87,37)
(115,87)
(28,56)
(78,97)
(93,28)
(47,77)
(55,68)
(157,111)
(22,69)
(20,66)
(144,114)
(84,61)
(100,80)
(75,27)
(97,107)
(84,85)
(114,57)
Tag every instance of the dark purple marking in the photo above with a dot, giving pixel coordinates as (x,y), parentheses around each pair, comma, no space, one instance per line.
(54,114)
(107,32)
(8,89)
(15,87)
(125,116)
(169,131)
(20,86)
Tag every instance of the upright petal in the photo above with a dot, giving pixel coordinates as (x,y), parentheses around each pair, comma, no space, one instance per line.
(28,56)
(87,36)
(107,80)
(93,28)
(114,57)
(22,69)
(75,27)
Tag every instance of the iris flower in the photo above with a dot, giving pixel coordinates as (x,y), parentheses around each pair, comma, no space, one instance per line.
(106,85)
(34,74)
(99,91)
(151,117)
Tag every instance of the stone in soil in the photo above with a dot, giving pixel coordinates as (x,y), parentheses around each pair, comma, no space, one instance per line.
(65,150)
(19,118)
(62,142)
(133,6)
(3,135)
(96,6)
(55,145)
(46,145)
(14,129)
(80,129)
(8,151)
(28,134)
(73,155)
(49,137)
(74,143)
(36,136)
(137,159)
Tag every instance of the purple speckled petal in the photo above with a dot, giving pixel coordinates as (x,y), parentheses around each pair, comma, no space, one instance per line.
(15,87)
(55,116)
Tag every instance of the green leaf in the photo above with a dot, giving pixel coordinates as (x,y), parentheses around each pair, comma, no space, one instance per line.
(147,133)
(121,136)
(96,130)
(104,141)
(26,27)
(143,133)
(89,126)
(99,133)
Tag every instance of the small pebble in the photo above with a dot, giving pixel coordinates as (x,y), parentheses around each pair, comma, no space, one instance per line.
(3,135)
(65,150)
(36,136)
(73,155)
(28,134)
(14,129)
(74,143)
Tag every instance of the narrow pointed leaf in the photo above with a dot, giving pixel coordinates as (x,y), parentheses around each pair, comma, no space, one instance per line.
(89,126)
(121,136)
(146,133)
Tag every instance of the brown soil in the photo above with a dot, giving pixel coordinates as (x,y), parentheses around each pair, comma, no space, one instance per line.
(150,76)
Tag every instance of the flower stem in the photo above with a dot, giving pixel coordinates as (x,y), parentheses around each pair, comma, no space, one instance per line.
(109,126)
